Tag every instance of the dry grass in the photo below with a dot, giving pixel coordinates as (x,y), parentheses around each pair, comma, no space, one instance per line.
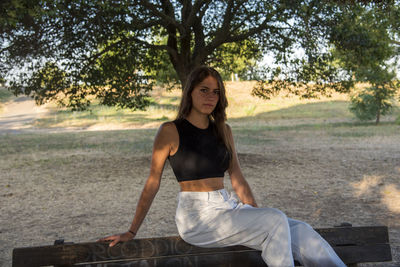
(243,108)
(164,106)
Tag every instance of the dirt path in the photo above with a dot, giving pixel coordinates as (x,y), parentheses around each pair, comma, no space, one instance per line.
(19,115)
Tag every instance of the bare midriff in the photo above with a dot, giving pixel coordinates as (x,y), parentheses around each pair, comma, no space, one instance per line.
(203,185)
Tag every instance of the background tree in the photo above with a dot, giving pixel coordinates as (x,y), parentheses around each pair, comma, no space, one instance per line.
(111,50)
(308,68)
(366,47)
(351,41)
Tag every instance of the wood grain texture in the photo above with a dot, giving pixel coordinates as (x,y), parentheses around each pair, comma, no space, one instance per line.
(352,244)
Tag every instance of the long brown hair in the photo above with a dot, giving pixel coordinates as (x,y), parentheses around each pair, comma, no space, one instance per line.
(218,115)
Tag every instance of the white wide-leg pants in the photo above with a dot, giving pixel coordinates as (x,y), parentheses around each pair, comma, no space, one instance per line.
(218,219)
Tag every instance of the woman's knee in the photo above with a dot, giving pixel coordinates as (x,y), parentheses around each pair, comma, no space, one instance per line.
(303,226)
(276,216)
(280,214)
(302,233)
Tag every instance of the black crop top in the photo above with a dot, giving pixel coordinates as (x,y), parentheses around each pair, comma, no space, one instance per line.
(200,153)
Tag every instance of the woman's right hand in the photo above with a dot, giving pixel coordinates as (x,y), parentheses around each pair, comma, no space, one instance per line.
(117,238)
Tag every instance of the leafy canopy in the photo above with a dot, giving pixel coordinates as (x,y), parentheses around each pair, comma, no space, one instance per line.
(113,51)
(366,46)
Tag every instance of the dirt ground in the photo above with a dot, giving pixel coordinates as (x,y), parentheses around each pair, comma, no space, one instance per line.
(322,179)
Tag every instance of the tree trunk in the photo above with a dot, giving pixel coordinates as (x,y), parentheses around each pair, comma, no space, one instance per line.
(183,69)
(378,114)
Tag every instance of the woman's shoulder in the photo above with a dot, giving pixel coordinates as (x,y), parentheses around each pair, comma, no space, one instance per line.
(167,134)
(227,126)
(167,128)
(228,130)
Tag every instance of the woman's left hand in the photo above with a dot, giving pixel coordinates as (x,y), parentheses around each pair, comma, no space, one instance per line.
(117,238)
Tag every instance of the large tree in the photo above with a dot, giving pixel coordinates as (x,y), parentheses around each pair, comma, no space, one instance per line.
(77,50)
(72,51)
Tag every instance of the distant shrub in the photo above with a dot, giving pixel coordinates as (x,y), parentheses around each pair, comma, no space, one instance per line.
(5,94)
(373,102)
(398,120)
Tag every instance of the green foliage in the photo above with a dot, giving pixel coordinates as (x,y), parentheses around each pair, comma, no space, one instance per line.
(117,78)
(363,43)
(363,39)
(114,50)
(5,95)
(343,44)
(313,72)
(47,83)
(373,102)
(15,12)
(305,79)
(238,58)
(163,71)
(94,50)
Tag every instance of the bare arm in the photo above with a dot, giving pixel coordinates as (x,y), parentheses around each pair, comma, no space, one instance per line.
(239,183)
(161,150)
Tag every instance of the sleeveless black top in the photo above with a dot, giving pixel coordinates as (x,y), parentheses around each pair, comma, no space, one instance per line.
(200,153)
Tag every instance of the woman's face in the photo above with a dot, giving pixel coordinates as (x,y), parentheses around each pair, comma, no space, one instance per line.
(205,96)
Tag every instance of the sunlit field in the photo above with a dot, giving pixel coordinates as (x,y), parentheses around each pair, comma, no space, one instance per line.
(278,110)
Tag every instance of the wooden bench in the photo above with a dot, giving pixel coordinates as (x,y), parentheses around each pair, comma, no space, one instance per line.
(352,244)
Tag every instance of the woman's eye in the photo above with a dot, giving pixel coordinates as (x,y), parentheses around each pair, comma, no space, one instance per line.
(203,90)
(216,92)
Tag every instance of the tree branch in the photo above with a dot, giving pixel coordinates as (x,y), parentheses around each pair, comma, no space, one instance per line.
(198,4)
(243,36)
(395,42)
(199,44)
(140,25)
(227,18)
(91,59)
(185,13)
(168,18)
(171,29)
(222,33)
(186,36)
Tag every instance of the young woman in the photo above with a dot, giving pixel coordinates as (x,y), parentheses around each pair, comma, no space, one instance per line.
(200,148)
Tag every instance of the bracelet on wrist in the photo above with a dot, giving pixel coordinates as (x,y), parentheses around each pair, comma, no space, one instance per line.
(132,232)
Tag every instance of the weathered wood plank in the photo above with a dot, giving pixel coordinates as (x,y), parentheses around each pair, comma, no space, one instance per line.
(355,235)
(353,245)
(50,255)
(364,253)
(224,259)
(89,252)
